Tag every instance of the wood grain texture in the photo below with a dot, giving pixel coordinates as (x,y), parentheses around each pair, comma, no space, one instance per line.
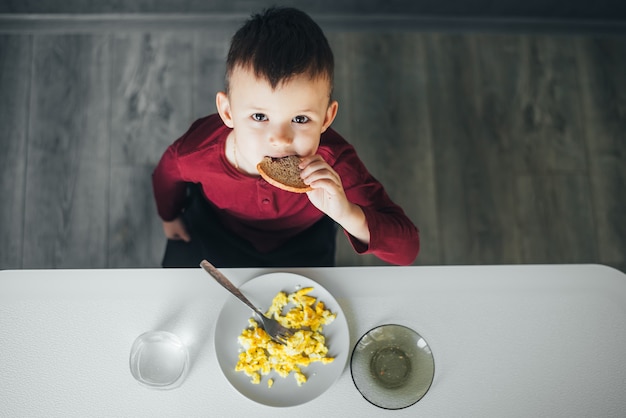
(68,154)
(209,68)
(151,107)
(383,112)
(555,219)
(545,122)
(136,236)
(151,101)
(511,107)
(15,74)
(603,81)
(474,197)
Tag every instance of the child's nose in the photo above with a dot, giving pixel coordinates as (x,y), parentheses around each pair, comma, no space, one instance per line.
(281,135)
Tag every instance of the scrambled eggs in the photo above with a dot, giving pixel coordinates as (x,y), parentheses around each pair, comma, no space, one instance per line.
(260,354)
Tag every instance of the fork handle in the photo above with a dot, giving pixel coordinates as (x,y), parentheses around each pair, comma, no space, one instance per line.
(228,285)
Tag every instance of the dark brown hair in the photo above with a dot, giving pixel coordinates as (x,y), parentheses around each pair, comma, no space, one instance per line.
(280,43)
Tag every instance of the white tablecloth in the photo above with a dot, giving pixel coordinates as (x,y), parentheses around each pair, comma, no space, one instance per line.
(508,341)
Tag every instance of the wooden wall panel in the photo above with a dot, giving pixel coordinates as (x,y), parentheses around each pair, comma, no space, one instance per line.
(136,235)
(474,195)
(209,67)
(383,112)
(66,208)
(603,81)
(151,107)
(151,77)
(15,73)
(545,120)
(555,219)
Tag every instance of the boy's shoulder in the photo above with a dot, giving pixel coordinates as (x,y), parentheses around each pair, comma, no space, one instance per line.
(203,133)
(333,146)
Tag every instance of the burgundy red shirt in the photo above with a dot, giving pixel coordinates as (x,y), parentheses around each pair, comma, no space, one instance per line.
(265,215)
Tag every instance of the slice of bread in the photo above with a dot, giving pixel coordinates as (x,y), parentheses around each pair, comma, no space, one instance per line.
(283,173)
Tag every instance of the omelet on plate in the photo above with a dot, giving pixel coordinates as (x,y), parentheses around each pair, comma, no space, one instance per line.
(261,354)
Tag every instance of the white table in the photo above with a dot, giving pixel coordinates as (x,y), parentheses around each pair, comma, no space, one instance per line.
(508,341)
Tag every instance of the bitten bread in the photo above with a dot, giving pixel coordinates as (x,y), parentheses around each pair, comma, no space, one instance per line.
(283,173)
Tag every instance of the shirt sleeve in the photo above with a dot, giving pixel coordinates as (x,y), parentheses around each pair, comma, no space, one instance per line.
(168,185)
(393,236)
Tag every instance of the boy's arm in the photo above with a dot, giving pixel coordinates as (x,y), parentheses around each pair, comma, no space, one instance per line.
(374,224)
(393,237)
(355,224)
(329,196)
(170,190)
(169,193)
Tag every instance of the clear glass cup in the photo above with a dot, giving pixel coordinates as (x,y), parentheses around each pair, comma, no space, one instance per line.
(159,360)
(392,366)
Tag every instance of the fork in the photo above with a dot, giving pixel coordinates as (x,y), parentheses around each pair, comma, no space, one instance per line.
(274,329)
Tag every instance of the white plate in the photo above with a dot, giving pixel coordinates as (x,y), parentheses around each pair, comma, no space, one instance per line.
(285,392)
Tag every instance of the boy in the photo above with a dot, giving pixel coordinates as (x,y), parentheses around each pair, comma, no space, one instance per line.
(278,102)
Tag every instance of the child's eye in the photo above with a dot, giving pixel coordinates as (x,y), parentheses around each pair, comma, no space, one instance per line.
(300,119)
(259,117)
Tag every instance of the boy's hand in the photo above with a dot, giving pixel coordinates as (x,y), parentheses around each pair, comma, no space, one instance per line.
(329,196)
(176,230)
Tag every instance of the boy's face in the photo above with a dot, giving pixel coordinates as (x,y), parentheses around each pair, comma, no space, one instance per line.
(277,122)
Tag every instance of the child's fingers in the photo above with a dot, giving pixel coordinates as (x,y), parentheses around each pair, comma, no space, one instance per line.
(316,169)
(180,237)
(185,236)
(176,230)
(312,163)
(330,184)
(181,233)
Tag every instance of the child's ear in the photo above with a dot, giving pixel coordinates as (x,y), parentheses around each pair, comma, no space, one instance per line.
(331,112)
(223,108)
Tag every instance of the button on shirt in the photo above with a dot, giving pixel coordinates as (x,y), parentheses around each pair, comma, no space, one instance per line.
(265,215)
